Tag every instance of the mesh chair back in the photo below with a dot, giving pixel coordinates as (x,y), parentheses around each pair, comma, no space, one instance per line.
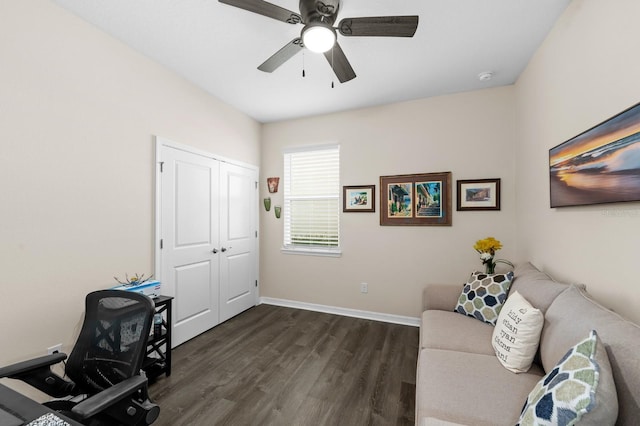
(113,340)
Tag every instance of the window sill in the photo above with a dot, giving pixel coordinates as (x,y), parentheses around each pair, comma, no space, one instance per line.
(306,251)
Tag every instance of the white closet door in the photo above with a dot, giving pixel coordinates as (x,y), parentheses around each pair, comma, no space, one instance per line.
(189,227)
(238,239)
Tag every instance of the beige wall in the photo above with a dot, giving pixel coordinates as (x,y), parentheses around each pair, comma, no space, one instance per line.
(471,134)
(78,111)
(585,72)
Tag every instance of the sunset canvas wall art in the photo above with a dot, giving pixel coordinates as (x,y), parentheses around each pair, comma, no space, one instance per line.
(600,165)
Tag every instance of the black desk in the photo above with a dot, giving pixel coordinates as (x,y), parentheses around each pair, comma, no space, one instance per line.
(158,358)
(25,409)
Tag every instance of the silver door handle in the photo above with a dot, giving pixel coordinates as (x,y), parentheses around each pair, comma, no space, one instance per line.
(223,249)
(214,251)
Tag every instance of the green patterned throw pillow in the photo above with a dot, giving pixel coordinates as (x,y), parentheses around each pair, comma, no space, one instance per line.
(483,295)
(568,392)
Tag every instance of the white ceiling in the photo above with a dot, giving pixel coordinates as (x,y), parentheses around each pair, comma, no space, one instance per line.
(219,47)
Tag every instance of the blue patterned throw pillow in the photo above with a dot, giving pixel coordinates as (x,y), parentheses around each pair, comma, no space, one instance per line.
(483,295)
(568,391)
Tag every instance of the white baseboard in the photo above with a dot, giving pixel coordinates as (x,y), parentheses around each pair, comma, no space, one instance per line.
(356,313)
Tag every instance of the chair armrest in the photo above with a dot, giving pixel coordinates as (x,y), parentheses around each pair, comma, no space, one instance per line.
(442,297)
(37,372)
(19,368)
(110,396)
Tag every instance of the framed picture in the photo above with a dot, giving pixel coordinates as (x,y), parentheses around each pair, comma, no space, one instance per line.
(416,200)
(478,194)
(600,165)
(360,198)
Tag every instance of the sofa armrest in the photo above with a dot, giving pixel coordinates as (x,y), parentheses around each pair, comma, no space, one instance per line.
(432,421)
(440,296)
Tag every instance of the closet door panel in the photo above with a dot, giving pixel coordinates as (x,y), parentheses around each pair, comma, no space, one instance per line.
(189,235)
(238,236)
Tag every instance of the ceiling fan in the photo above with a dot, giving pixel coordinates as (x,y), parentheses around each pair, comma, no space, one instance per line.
(318,33)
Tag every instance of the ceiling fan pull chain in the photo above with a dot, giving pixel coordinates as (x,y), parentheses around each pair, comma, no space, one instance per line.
(332,67)
(303,73)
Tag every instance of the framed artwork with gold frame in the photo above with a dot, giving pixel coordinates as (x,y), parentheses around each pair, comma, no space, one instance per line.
(416,200)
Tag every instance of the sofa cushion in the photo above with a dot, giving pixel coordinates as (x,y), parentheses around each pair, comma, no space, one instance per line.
(470,389)
(536,286)
(449,330)
(569,318)
(483,295)
(568,392)
(517,333)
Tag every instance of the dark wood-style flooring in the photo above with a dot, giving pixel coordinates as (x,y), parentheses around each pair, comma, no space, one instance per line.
(280,366)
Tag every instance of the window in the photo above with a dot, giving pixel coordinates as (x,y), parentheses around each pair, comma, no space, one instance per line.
(312,200)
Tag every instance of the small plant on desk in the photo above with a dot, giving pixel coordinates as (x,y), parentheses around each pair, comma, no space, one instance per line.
(134,279)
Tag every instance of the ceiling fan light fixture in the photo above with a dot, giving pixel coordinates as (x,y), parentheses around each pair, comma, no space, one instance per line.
(318,38)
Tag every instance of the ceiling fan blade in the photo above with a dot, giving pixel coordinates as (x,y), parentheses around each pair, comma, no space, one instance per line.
(381,26)
(340,64)
(266,9)
(281,56)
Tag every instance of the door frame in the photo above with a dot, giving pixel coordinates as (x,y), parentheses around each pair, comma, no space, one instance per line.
(161,142)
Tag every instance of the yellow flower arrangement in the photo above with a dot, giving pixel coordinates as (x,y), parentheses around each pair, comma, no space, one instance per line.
(487,248)
(488,245)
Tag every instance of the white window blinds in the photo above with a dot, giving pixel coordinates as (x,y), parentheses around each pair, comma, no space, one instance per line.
(312,199)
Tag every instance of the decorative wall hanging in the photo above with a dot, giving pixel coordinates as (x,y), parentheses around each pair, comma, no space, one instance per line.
(360,198)
(272,184)
(478,194)
(600,165)
(267,203)
(416,200)
(277,210)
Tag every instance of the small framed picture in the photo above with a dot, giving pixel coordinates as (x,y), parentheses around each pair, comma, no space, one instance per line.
(478,194)
(360,198)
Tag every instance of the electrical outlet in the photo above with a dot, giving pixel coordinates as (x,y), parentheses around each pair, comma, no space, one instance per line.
(364,288)
(54,349)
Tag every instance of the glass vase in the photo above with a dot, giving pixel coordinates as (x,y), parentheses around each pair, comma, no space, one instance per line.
(490,268)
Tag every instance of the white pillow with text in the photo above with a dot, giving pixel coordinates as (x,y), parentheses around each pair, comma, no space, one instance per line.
(517,333)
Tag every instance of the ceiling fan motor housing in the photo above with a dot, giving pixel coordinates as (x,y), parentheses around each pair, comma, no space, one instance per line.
(319,11)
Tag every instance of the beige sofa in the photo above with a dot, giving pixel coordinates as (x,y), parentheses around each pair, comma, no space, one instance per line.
(460,380)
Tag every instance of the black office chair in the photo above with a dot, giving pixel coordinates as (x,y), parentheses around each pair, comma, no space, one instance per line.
(104,365)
